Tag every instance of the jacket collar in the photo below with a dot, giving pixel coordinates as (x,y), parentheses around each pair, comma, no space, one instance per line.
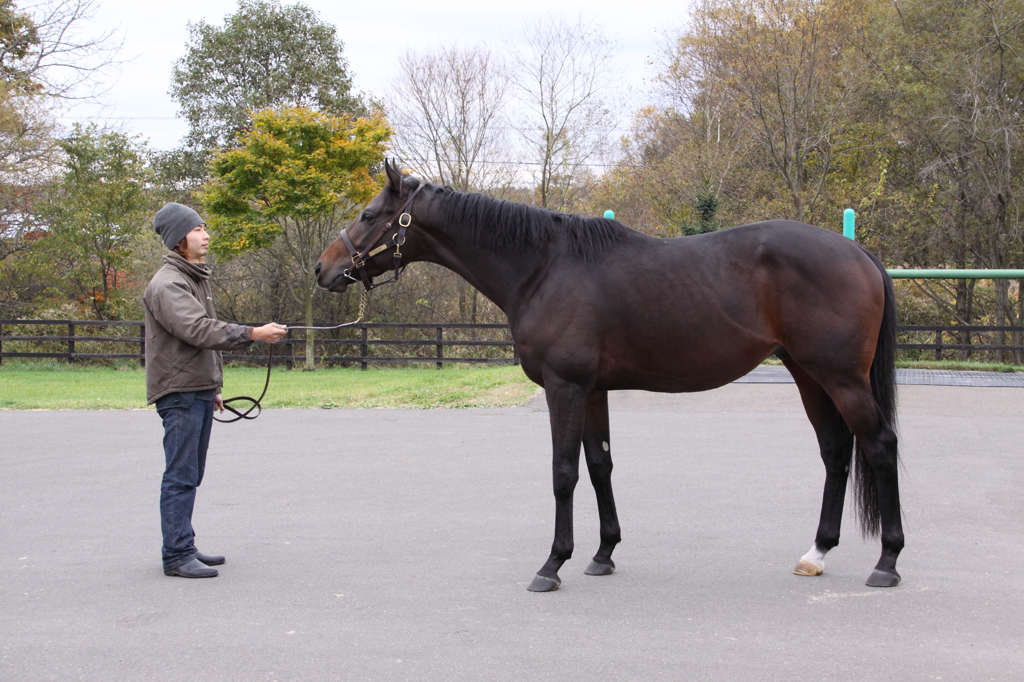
(197,271)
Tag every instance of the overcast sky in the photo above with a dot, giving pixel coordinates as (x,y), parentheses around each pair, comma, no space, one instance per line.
(375,33)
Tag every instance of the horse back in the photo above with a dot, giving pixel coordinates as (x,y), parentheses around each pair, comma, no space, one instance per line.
(694,313)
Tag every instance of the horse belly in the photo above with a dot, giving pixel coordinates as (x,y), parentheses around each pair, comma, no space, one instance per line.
(682,362)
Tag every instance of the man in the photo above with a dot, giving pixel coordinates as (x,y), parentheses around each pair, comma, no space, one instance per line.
(184,375)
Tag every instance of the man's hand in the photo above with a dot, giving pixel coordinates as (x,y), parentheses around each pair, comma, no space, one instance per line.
(218,404)
(270,333)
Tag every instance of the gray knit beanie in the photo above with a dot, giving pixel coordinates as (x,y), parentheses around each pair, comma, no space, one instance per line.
(174,221)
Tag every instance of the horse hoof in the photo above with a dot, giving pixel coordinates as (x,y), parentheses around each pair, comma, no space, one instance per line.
(598,568)
(807,568)
(544,584)
(883,579)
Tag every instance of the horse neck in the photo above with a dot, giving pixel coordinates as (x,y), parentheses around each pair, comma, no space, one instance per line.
(503,278)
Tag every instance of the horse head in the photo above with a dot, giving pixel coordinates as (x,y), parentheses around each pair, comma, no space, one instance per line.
(375,241)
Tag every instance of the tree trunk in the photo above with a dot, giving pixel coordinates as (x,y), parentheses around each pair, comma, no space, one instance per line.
(465,292)
(964,314)
(1019,320)
(1002,308)
(307,309)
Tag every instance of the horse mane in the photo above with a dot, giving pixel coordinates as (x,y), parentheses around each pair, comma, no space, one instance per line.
(510,227)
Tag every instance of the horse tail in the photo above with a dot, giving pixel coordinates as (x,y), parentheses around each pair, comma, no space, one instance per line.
(883,388)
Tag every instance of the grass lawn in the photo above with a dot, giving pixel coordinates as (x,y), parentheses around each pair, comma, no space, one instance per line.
(55,386)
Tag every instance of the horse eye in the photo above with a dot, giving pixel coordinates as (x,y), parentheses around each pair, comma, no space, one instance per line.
(367,217)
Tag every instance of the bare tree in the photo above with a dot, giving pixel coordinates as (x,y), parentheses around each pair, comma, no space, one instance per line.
(967,66)
(45,45)
(701,114)
(785,66)
(46,54)
(446,107)
(564,76)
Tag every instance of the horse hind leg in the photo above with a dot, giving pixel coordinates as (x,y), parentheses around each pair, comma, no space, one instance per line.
(835,442)
(876,481)
(596,446)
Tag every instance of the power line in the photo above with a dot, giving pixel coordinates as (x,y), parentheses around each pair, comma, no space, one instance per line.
(556,165)
(119,118)
(487,163)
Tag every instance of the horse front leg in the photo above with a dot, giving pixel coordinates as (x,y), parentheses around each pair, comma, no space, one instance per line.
(567,410)
(596,446)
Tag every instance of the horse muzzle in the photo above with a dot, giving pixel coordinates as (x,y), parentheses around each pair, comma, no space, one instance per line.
(336,283)
(339,284)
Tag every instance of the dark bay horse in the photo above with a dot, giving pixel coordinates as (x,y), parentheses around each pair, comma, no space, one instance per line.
(595,306)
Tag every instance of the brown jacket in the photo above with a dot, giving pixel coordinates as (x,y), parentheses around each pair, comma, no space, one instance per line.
(183,336)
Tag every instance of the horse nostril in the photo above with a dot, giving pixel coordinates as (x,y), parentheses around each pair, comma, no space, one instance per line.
(316,270)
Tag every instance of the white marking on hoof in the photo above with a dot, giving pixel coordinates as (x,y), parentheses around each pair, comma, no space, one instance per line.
(811,563)
(807,568)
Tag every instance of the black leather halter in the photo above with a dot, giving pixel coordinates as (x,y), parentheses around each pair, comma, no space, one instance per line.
(371,249)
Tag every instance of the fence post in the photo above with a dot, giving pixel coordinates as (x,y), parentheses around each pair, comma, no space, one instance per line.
(1,344)
(364,349)
(938,344)
(288,363)
(440,348)
(142,345)
(71,342)
(850,224)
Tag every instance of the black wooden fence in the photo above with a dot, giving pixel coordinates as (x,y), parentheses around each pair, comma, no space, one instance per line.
(969,342)
(364,343)
(416,343)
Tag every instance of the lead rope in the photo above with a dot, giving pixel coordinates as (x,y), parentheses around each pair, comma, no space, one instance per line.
(364,298)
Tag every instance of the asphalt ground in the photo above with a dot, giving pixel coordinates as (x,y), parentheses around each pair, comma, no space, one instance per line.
(777,374)
(398,544)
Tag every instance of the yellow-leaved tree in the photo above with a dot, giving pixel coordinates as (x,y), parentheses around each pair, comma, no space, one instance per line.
(287,187)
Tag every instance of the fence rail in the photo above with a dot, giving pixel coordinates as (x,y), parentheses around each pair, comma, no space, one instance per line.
(938,333)
(434,345)
(68,344)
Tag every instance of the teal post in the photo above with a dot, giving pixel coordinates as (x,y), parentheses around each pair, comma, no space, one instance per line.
(850,224)
(609,214)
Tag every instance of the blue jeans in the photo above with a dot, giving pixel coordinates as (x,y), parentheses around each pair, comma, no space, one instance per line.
(187,420)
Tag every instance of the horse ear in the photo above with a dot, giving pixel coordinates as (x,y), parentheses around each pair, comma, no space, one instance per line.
(394,177)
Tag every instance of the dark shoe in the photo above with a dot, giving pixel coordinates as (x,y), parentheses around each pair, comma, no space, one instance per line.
(193,569)
(210,559)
